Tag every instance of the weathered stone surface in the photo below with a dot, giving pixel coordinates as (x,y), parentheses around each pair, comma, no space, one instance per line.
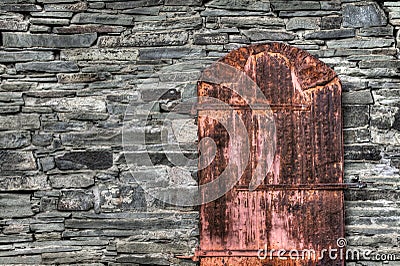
(100,159)
(380,64)
(363,15)
(50,21)
(360,43)
(249,22)
(183,2)
(74,7)
(146,39)
(146,248)
(355,116)
(13,25)
(303,23)
(356,135)
(39,29)
(240,5)
(25,40)
(19,7)
(17,160)
(383,117)
(100,54)
(14,139)
(133,4)
(88,29)
(362,152)
(331,34)
(15,205)
(192,22)
(75,200)
(169,53)
(77,104)
(295,5)
(50,14)
(23,183)
(52,67)
(81,77)
(357,97)
(376,31)
(210,38)
(80,180)
(106,19)
(25,56)
(331,22)
(104,137)
(115,198)
(271,35)
(17,122)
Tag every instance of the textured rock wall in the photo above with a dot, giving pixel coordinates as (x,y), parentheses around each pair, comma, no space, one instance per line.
(70,68)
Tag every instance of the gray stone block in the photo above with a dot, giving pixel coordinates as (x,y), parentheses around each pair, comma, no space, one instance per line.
(303,23)
(18,122)
(78,180)
(100,159)
(17,160)
(170,53)
(360,43)
(13,25)
(380,64)
(50,21)
(20,7)
(362,152)
(168,38)
(25,56)
(81,77)
(106,19)
(271,35)
(122,197)
(67,104)
(15,205)
(183,2)
(250,21)
(295,5)
(68,7)
(133,4)
(331,34)
(331,22)
(14,139)
(210,38)
(23,182)
(75,200)
(51,67)
(363,15)
(363,97)
(88,29)
(355,116)
(240,5)
(26,40)
(100,54)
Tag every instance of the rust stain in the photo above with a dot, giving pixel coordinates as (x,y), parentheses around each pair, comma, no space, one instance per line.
(300,203)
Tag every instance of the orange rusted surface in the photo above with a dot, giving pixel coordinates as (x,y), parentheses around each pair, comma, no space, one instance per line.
(300,202)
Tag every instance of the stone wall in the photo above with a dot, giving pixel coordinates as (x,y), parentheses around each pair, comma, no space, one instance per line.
(70,68)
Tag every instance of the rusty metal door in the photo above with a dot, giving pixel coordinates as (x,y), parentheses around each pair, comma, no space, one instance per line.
(298,205)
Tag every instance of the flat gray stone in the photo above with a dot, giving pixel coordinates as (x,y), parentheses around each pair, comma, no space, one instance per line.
(380,64)
(50,21)
(50,67)
(179,23)
(68,7)
(15,205)
(79,180)
(363,15)
(169,38)
(331,34)
(25,56)
(75,200)
(240,5)
(295,5)
(23,183)
(133,4)
(303,23)
(360,43)
(251,21)
(100,160)
(67,104)
(26,40)
(122,197)
(88,29)
(355,116)
(183,2)
(18,122)
(15,160)
(331,22)
(100,54)
(81,77)
(210,38)
(357,97)
(271,35)
(106,19)
(13,25)
(14,139)
(20,7)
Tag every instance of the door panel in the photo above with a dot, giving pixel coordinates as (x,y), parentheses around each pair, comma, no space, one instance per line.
(299,204)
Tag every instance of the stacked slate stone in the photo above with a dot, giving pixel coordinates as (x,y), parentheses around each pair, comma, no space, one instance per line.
(70,68)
